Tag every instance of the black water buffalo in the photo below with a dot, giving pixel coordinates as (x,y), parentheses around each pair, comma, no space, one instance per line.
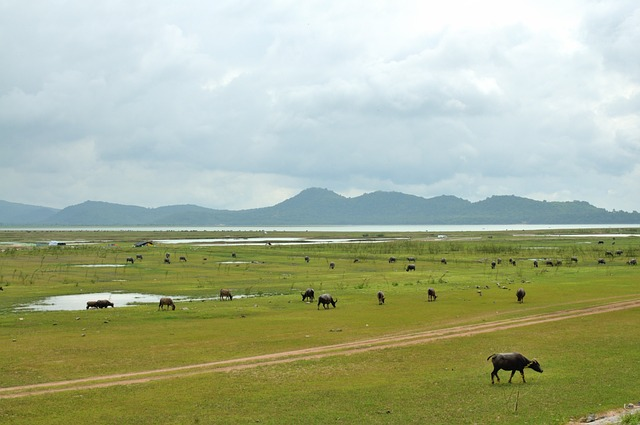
(183,259)
(493,264)
(104,303)
(168,302)
(309,294)
(138,257)
(306,258)
(520,294)
(513,362)
(225,294)
(631,262)
(167,260)
(601,261)
(443,260)
(411,267)
(130,260)
(411,259)
(332,265)
(574,259)
(380,297)
(392,259)
(325,300)
(431,294)
(99,304)
(535,263)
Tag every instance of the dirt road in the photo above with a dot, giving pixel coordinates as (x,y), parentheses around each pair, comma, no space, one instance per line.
(348,348)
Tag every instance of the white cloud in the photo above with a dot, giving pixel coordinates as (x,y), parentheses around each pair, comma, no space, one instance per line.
(243,104)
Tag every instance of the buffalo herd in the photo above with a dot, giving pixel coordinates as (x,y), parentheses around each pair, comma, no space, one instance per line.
(514,362)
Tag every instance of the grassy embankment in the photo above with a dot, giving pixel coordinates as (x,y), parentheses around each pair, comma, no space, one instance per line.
(590,362)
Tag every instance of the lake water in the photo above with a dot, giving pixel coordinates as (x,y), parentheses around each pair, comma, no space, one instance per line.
(366,228)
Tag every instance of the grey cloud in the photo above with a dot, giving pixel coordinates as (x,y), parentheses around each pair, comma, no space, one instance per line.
(200,103)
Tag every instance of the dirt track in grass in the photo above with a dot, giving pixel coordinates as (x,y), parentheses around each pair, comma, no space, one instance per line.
(348,348)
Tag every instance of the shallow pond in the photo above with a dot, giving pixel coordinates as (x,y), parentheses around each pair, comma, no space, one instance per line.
(119,299)
(79,301)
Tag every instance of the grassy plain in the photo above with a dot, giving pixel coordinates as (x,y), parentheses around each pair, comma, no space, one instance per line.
(590,362)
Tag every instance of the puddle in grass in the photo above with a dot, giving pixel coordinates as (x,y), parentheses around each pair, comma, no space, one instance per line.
(119,299)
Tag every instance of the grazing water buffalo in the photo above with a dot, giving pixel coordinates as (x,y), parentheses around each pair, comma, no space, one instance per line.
(309,294)
(411,259)
(183,259)
(493,264)
(99,304)
(92,304)
(306,258)
(601,261)
(168,302)
(535,263)
(167,260)
(225,294)
(443,260)
(380,297)
(513,362)
(104,303)
(631,262)
(138,257)
(411,267)
(332,265)
(520,294)
(392,259)
(130,260)
(325,300)
(431,294)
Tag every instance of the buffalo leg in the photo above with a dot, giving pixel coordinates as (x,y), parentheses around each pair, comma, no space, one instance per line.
(522,373)
(511,377)
(495,373)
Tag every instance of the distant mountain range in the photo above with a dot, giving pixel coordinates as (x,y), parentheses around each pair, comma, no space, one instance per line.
(316,206)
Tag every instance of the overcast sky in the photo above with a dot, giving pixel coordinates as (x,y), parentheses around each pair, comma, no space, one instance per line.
(243,104)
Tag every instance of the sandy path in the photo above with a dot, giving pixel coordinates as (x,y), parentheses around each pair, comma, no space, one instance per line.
(348,348)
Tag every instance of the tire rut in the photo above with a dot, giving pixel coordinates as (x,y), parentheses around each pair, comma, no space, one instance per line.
(347,348)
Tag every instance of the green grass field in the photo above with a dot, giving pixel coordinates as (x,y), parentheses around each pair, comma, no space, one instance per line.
(590,362)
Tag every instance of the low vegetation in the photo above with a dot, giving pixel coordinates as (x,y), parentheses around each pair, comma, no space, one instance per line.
(588,361)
